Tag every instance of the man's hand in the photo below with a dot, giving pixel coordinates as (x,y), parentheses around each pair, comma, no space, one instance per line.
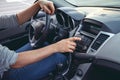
(47,6)
(66,45)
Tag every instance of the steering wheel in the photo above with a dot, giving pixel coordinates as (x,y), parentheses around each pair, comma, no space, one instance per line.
(38,31)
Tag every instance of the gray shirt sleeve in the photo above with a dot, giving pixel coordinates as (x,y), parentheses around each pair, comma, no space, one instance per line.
(7,58)
(8,21)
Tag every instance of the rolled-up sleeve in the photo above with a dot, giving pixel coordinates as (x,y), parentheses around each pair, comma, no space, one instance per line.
(7,58)
(8,21)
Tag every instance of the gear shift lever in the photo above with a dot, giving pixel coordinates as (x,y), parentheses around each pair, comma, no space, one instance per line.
(87,58)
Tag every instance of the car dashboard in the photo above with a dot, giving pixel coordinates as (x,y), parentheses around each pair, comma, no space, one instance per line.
(97,27)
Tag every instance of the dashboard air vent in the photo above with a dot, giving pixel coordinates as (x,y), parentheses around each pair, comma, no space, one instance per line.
(99,41)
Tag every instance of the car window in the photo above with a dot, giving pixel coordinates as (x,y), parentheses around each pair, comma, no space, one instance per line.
(13,6)
(107,3)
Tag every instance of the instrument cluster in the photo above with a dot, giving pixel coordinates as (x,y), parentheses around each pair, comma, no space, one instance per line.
(65,21)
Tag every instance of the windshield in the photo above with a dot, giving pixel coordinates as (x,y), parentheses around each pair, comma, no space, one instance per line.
(107,3)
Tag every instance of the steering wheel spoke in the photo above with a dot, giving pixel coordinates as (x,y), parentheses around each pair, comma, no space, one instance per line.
(33,41)
(38,31)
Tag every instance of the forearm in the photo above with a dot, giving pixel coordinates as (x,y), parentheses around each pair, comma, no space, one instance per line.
(28,13)
(28,57)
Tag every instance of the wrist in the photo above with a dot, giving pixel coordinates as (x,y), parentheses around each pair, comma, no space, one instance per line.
(54,48)
(38,5)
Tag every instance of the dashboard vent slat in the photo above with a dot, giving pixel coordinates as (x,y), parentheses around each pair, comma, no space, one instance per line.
(99,41)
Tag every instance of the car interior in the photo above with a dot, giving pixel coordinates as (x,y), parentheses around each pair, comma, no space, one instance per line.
(97,55)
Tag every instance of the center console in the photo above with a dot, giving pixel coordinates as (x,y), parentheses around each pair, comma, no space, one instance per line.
(93,35)
(91,42)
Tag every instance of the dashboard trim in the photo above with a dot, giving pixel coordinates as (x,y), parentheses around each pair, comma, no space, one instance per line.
(92,51)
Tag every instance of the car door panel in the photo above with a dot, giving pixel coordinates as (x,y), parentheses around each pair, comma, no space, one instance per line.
(10,36)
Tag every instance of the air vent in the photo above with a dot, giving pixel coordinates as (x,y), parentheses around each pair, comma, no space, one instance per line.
(99,41)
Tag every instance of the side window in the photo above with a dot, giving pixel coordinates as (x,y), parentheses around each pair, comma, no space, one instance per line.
(13,6)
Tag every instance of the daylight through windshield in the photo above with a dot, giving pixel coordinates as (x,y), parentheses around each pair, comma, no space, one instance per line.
(109,3)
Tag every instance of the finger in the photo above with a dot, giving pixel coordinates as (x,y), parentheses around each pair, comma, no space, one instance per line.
(71,51)
(52,8)
(73,44)
(45,8)
(72,48)
(74,38)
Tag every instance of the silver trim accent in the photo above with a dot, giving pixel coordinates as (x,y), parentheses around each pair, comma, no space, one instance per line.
(92,51)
